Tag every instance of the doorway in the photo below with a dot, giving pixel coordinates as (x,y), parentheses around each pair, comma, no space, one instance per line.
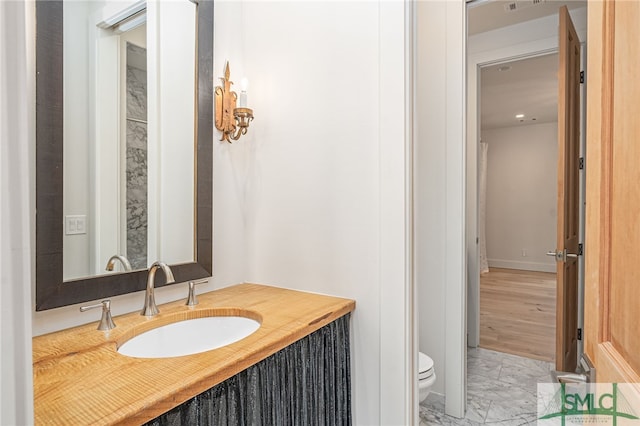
(496,47)
(526,39)
(517,205)
(447,294)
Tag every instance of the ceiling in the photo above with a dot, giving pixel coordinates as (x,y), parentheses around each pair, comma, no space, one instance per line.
(529,86)
(487,15)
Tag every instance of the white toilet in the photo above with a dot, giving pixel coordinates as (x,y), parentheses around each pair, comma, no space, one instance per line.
(426,375)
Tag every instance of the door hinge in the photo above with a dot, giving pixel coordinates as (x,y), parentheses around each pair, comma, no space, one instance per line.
(581,76)
(580,249)
(581,163)
(579,334)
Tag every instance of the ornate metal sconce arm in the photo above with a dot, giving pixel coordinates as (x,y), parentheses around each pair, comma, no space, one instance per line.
(233,122)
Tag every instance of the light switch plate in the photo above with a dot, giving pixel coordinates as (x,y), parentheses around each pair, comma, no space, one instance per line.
(75,224)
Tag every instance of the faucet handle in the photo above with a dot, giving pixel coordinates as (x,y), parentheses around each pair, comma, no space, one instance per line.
(106,322)
(192,300)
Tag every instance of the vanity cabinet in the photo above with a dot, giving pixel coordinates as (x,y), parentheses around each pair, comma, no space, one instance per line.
(306,383)
(294,369)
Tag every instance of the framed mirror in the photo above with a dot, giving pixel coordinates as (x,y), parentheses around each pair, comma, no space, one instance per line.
(176,207)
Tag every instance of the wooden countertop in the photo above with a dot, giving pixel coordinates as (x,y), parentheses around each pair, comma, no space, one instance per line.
(79,378)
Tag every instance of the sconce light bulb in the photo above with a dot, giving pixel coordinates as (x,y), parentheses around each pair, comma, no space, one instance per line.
(244,83)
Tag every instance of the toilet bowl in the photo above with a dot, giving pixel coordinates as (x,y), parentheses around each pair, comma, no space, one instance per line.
(426,375)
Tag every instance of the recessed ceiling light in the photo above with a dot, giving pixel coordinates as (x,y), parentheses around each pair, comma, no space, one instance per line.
(504,68)
(519,115)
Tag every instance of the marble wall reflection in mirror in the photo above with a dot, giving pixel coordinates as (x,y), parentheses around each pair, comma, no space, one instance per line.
(129,105)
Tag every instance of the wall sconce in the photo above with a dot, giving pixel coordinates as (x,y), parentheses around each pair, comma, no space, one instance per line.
(231,121)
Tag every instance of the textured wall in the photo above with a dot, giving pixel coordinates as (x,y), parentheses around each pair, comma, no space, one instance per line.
(136,168)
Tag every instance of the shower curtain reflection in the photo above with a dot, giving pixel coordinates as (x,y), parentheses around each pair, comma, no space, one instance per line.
(482,206)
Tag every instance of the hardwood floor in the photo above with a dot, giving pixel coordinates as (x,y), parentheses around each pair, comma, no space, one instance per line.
(518,312)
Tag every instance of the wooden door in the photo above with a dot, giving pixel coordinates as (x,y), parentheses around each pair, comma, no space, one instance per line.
(568,194)
(612,262)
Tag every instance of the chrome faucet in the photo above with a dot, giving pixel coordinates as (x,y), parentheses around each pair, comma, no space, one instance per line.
(112,262)
(150,308)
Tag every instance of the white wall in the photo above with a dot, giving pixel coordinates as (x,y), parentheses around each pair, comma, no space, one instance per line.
(320,176)
(439,194)
(76,134)
(521,196)
(17,156)
(233,164)
(172,80)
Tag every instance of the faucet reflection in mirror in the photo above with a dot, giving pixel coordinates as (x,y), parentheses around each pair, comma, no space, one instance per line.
(232,121)
(123,260)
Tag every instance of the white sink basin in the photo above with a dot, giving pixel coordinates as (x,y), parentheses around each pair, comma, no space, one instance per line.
(189,337)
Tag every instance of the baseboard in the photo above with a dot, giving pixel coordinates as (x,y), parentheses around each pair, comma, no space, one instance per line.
(525,266)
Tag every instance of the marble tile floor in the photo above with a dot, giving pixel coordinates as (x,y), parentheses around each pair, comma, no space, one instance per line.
(501,391)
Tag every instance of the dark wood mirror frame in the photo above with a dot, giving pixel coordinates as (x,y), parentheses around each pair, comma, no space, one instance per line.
(51,289)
